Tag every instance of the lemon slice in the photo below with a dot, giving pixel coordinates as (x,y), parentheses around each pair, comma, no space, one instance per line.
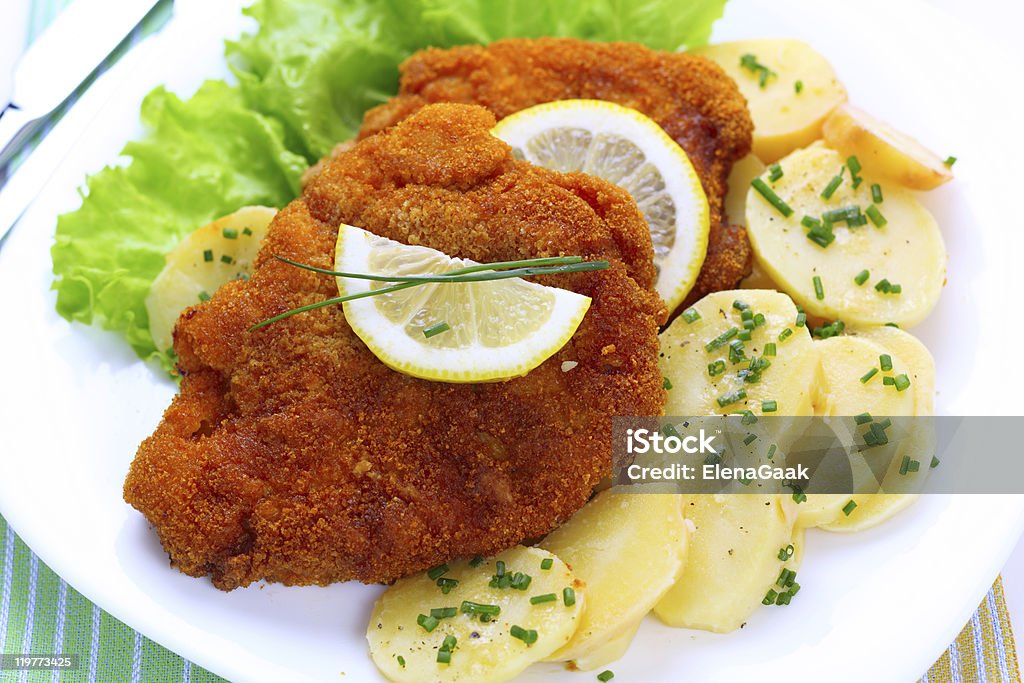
(460,332)
(624,147)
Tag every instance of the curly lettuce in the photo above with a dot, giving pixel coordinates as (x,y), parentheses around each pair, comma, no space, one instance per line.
(318,65)
(202,158)
(305,78)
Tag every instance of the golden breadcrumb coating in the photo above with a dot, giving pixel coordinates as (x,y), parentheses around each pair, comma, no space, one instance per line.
(689,96)
(292,454)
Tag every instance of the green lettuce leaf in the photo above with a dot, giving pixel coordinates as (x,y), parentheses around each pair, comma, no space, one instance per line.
(317,65)
(203,158)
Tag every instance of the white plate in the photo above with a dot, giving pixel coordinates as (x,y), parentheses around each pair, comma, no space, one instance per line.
(878,606)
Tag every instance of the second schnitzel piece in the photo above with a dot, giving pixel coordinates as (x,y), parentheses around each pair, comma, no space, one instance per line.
(689,96)
(292,454)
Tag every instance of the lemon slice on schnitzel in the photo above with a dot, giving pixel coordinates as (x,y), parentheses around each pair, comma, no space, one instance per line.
(624,147)
(457,332)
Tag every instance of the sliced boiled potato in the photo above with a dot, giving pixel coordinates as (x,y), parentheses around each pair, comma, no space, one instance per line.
(916,361)
(611,651)
(685,357)
(734,559)
(484,651)
(844,361)
(743,171)
(907,250)
(628,549)
(784,119)
(200,263)
(884,151)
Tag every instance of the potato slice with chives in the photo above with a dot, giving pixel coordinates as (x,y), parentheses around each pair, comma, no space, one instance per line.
(790,89)
(836,252)
(737,552)
(200,263)
(909,354)
(885,152)
(705,357)
(628,549)
(492,632)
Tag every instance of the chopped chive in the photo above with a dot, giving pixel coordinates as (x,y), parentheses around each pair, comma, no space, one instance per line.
(787,552)
(541,599)
(691,315)
(763,73)
(446,585)
(846,213)
(833,329)
(888,381)
(247,231)
(833,184)
(401,661)
(883,286)
(203,296)
(224,258)
(876,216)
(721,339)
(849,507)
(732,397)
(747,417)
(879,433)
(520,581)
(750,438)
(666,385)
(868,375)
(476,561)
(853,164)
(444,656)
(905,464)
(772,198)
(605,676)
(901,382)
(885,362)
(769,597)
(744,335)
(896,289)
(499,568)
(547,562)
(449,643)
(774,172)
(436,329)
(798,87)
(794,589)
(468,607)
(810,222)
(786,577)
(230,233)
(716,368)
(568,596)
(208,255)
(769,406)
(428,623)
(935,462)
(798,495)
(862,277)
(437,572)
(769,349)
(527,636)
(784,598)
(863,418)
(801,319)
(819,290)
(785,334)
(740,305)
(876,193)
(914,466)
(948,163)
(771,451)
(444,612)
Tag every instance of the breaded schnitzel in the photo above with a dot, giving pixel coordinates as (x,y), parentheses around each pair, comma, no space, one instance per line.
(689,96)
(292,454)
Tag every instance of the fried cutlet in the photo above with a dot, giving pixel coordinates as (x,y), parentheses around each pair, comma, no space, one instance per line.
(689,96)
(292,454)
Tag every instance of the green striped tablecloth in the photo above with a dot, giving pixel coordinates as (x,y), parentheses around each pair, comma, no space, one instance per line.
(40,613)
